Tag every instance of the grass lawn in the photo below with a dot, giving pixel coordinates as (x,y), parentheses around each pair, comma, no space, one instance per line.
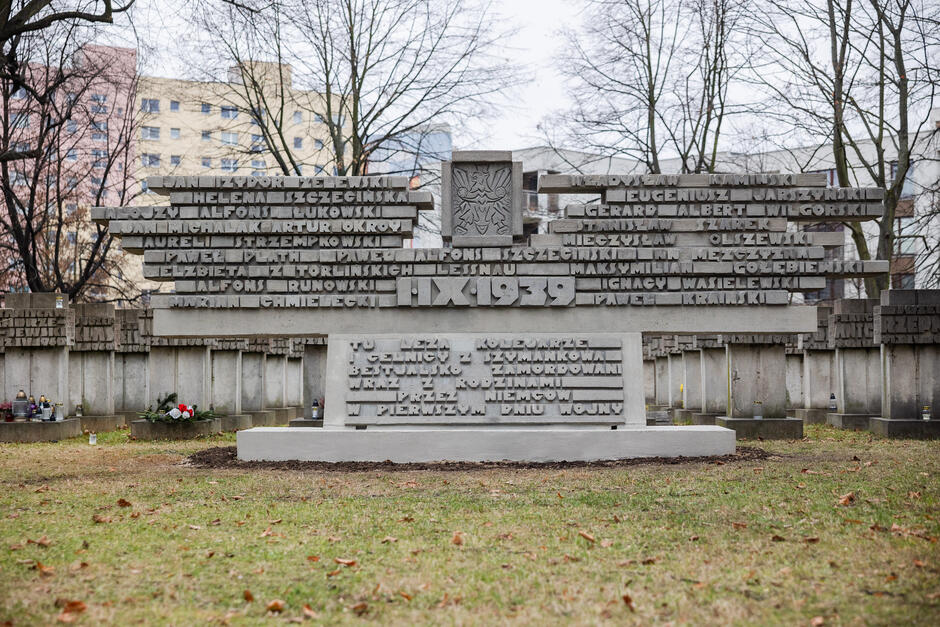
(839,528)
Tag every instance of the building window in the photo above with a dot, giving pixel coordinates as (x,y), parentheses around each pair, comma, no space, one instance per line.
(99,98)
(206,162)
(257,115)
(229,112)
(230,165)
(70,99)
(19,120)
(298,117)
(71,208)
(71,126)
(174,133)
(902,281)
(318,144)
(98,108)
(19,178)
(318,118)
(100,130)
(72,154)
(150,132)
(174,105)
(907,188)
(175,159)
(205,108)
(72,237)
(97,181)
(257,163)
(144,187)
(206,136)
(149,160)
(101,158)
(150,105)
(229,138)
(71,182)
(298,142)
(19,94)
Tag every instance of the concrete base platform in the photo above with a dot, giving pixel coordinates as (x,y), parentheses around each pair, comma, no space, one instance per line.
(703,419)
(283,415)
(854,422)
(146,430)
(813,416)
(262,418)
(920,429)
(767,428)
(306,422)
(659,417)
(791,413)
(40,431)
(682,416)
(100,424)
(650,408)
(236,422)
(485,444)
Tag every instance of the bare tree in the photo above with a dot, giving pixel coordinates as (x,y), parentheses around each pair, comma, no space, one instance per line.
(862,75)
(650,79)
(369,73)
(69,113)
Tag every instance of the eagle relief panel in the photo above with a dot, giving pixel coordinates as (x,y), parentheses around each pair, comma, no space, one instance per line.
(481,379)
(481,199)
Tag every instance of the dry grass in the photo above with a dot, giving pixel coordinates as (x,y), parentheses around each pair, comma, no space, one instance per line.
(692,543)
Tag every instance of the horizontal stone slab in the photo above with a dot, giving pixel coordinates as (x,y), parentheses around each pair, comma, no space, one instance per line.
(766,429)
(588,183)
(298,322)
(40,431)
(488,444)
(253,212)
(276,182)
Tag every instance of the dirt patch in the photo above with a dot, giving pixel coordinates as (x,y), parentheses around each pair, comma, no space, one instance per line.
(226,457)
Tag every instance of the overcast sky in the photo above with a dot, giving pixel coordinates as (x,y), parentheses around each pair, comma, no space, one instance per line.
(535,47)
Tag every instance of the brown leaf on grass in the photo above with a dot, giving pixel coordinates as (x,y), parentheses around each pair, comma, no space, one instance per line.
(649,561)
(405,595)
(628,600)
(43,541)
(195,527)
(818,621)
(313,558)
(333,573)
(693,538)
(216,522)
(607,543)
(344,562)
(406,519)
(308,611)
(44,571)
(777,538)
(388,539)
(360,608)
(559,495)
(571,558)
(920,563)
(587,536)
(248,596)
(100,519)
(16,547)
(847,499)
(123,503)
(135,514)
(42,488)
(811,540)
(457,539)
(77,566)
(276,606)
(278,521)
(72,607)
(739,525)
(334,539)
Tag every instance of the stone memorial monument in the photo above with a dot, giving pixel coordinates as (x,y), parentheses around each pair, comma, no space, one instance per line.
(493,348)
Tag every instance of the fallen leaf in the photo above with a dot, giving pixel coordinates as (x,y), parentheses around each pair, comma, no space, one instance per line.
(333,573)
(607,543)
(404,595)
(98,518)
(739,525)
(457,539)
(276,606)
(43,541)
(628,600)
(388,539)
(587,536)
(78,566)
(44,571)
(559,495)
(693,538)
(135,514)
(406,519)
(123,503)
(344,562)
(308,611)
(847,499)
(16,547)
(313,558)
(810,540)
(360,608)
(195,527)
(42,488)
(216,522)
(275,522)
(777,538)
(248,596)
(649,561)
(919,563)
(818,621)
(571,558)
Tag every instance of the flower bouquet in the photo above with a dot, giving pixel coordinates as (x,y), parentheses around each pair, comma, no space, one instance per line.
(168,411)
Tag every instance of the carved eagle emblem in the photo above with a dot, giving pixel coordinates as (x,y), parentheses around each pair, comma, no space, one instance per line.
(482,200)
